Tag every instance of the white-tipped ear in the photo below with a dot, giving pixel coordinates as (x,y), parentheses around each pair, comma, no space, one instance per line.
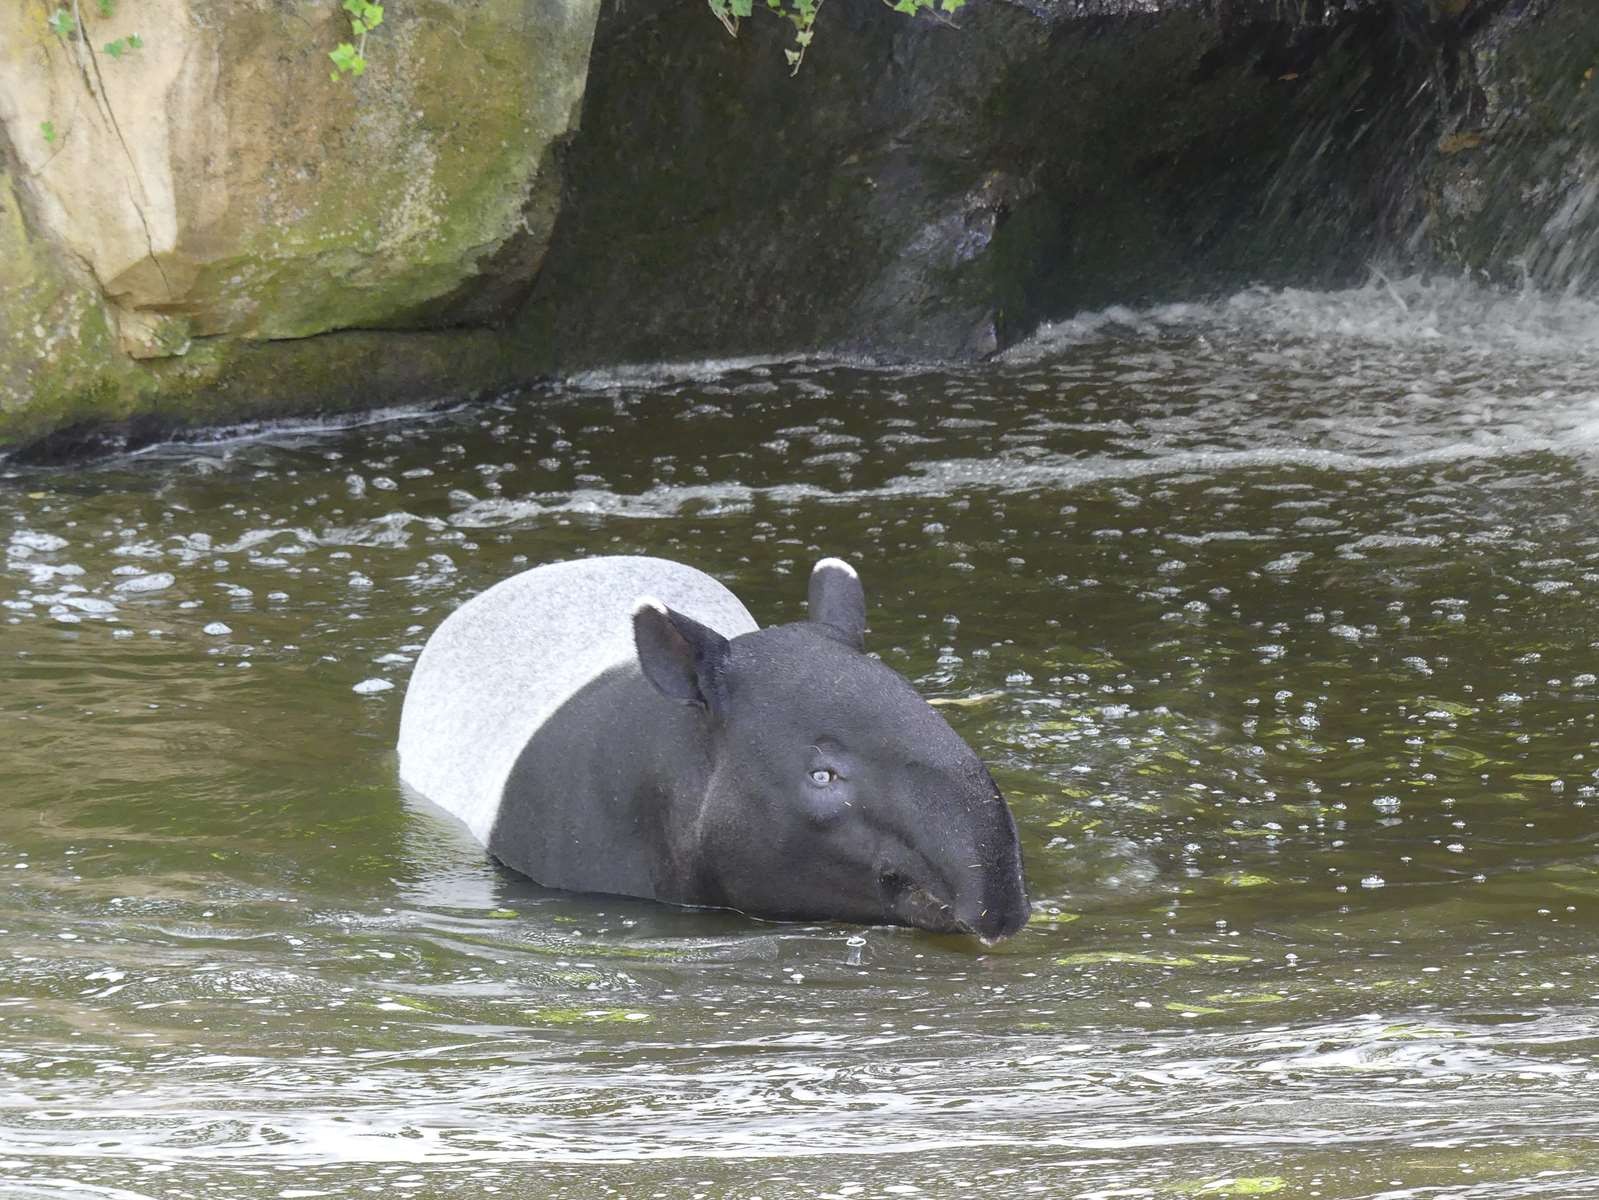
(683,659)
(837,602)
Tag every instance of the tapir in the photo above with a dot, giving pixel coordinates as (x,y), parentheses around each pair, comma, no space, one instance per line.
(622,725)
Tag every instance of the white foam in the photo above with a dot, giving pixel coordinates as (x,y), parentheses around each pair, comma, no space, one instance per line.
(43,543)
(156,582)
(1408,312)
(1017,474)
(655,374)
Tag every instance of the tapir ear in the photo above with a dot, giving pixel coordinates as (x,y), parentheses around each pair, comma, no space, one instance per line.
(682,658)
(838,601)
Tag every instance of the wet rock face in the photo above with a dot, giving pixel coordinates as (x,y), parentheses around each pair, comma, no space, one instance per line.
(217,181)
(932,191)
(1510,187)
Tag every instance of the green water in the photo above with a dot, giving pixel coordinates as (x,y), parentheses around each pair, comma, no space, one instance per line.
(1277,619)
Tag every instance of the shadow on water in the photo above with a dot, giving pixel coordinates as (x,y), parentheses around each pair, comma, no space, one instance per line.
(1275,618)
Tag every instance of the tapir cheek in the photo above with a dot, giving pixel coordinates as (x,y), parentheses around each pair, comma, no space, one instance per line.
(825,808)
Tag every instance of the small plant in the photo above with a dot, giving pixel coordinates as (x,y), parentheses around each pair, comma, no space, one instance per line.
(911,7)
(63,24)
(802,15)
(122,45)
(66,22)
(349,58)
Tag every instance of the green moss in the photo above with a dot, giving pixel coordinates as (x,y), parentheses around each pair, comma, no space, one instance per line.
(62,365)
(224,380)
(432,165)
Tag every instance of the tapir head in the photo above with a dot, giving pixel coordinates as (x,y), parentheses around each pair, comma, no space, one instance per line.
(834,790)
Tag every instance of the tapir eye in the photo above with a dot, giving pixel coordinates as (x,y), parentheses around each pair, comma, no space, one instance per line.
(822,776)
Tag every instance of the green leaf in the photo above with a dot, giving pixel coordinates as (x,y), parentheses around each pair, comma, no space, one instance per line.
(347,59)
(61,23)
(48,129)
(107,7)
(135,42)
(908,7)
(354,7)
(804,36)
(117,48)
(793,57)
(950,6)
(357,28)
(372,15)
(741,8)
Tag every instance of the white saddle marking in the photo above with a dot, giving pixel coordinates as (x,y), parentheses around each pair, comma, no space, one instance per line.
(501,664)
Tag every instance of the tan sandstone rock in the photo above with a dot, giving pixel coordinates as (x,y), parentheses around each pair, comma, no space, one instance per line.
(214,184)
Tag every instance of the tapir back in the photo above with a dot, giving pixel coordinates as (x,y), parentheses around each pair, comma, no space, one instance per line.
(501,665)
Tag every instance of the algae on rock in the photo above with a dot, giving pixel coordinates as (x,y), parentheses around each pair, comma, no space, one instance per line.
(215,187)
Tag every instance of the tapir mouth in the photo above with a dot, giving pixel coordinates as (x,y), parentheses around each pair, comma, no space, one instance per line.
(913,904)
(918,907)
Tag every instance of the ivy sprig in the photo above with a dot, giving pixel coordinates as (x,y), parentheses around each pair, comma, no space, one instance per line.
(122,45)
(63,24)
(349,58)
(802,15)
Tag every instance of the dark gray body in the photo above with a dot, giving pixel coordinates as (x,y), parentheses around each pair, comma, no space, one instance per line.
(620,757)
(781,772)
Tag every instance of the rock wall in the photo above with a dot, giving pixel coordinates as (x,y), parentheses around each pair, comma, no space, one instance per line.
(216,231)
(931,189)
(214,191)
(1510,187)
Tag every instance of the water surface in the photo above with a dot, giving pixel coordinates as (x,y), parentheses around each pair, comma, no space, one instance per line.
(1275,617)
